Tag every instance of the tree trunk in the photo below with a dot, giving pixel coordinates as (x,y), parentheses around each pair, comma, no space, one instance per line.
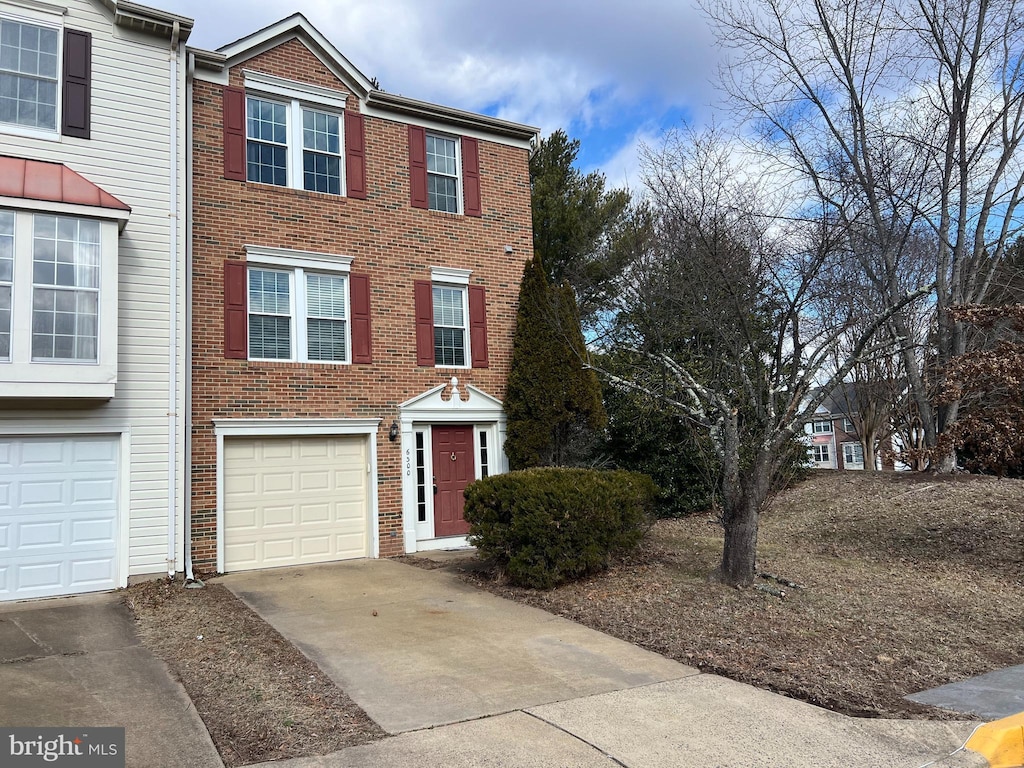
(739,556)
(743,502)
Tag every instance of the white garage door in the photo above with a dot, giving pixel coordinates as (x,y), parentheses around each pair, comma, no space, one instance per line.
(58,515)
(292,501)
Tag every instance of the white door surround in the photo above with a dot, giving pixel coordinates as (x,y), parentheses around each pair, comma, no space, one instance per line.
(444,404)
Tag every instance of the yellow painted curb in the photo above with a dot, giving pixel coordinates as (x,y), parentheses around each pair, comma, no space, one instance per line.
(1000,742)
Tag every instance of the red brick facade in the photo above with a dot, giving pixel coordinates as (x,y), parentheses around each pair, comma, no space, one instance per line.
(388,240)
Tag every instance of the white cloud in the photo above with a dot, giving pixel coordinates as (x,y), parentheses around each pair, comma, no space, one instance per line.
(581,63)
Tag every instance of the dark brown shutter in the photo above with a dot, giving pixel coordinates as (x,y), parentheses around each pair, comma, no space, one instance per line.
(424,323)
(472,204)
(359,290)
(418,167)
(355,156)
(478,325)
(234,133)
(236,319)
(77,98)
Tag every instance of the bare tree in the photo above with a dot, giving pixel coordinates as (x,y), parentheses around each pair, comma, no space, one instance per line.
(717,314)
(895,114)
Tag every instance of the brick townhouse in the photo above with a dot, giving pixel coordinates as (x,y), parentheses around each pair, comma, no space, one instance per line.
(355,266)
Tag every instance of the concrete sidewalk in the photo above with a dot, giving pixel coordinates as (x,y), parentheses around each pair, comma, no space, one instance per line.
(77,662)
(468,679)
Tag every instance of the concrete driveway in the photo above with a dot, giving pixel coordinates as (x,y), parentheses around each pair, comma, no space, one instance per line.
(468,679)
(417,648)
(77,662)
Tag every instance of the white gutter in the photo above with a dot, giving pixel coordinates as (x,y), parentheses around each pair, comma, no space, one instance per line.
(172,352)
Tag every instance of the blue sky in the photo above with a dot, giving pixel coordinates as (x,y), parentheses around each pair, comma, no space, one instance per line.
(611,74)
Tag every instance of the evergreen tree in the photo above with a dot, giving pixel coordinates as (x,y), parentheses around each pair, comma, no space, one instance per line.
(575,219)
(552,401)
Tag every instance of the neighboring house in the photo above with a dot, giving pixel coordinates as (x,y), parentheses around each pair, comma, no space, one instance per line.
(834,441)
(356,260)
(92,295)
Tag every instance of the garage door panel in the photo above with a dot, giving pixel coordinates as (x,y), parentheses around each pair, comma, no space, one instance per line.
(240,519)
(317,514)
(311,504)
(279,516)
(278,482)
(87,573)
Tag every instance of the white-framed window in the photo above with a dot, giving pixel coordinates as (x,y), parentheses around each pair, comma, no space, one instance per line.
(30,75)
(822,427)
(820,454)
(848,426)
(291,144)
(451,331)
(421,477)
(58,304)
(65,288)
(485,454)
(853,455)
(443,180)
(298,314)
(6,281)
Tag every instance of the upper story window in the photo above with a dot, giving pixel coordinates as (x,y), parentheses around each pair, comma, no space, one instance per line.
(6,280)
(290,145)
(298,315)
(823,426)
(292,134)
(450,331)
(29,76)
(848,425)
(451,320)
(65,288)
(58,305)
(45,74)
(297,306)
(442,174)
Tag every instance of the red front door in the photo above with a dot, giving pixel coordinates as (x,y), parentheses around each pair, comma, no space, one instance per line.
(453,471)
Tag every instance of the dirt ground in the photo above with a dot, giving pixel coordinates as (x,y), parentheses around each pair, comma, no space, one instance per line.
(907,583)
(260,698)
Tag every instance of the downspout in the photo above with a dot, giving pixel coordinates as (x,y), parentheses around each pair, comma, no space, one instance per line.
(190,578)
(172,352)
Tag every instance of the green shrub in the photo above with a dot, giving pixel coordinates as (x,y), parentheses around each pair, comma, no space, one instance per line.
(550,525)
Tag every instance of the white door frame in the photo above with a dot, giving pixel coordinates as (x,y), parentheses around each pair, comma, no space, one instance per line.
(298,428)
(479,410)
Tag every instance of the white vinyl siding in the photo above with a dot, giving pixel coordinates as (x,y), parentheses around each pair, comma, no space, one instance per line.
(131,159)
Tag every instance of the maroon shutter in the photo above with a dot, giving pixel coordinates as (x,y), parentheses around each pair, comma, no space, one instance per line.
(234,133)
(478,325)
(355,156)
(418,169)
(77,97)
(359,291)
(236,332)
(473,205)
(424,323)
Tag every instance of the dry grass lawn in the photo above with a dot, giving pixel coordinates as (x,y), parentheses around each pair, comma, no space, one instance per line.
(908,582)
(260,698)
